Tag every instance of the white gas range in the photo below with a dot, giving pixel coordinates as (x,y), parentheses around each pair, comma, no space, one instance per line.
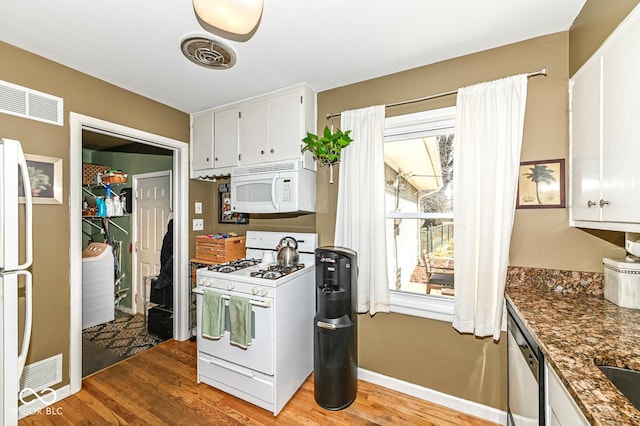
(280,356)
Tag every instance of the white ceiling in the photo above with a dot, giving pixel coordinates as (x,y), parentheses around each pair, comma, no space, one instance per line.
(327,43)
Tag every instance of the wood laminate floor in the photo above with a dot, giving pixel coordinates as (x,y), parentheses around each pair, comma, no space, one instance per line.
(158,387)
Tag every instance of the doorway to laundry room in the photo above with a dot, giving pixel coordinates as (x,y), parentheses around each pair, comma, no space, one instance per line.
(115,324)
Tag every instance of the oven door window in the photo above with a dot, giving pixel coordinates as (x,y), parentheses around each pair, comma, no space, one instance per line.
(259,355)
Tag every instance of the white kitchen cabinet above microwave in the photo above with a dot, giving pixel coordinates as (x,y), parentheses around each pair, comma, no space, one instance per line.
(264,129)
(605,134)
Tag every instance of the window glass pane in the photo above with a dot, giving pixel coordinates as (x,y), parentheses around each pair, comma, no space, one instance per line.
(419,205)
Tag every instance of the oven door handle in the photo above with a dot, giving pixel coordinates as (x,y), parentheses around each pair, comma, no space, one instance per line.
(259,303)
(245,373)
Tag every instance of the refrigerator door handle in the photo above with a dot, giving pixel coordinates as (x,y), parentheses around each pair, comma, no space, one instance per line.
(26,337)
(26,185)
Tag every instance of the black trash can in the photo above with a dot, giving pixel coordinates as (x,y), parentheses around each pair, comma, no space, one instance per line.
(335,352)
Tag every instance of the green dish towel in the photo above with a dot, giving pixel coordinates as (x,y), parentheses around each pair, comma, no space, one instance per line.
(212,315)
(240,319)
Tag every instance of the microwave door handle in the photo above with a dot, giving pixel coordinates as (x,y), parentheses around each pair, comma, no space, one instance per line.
(26,185)
(273,193)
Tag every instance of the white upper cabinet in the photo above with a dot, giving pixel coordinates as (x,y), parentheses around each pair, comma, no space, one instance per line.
(201,142)
(214,142)
(263,129)
(272,129)
(585,148)
(605,134)
(254,132)
(225,138)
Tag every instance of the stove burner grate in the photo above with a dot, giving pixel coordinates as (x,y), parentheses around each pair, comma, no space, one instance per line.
(274,272)
(234,265)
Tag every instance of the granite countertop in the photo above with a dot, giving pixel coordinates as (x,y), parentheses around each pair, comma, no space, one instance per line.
(577,329)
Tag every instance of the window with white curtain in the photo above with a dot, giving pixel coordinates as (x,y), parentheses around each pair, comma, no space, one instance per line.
(418,155)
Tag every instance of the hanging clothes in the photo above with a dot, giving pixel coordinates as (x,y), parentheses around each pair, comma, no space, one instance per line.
(162,287)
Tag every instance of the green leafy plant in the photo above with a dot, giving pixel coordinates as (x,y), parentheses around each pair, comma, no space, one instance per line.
(39,180)
(326,150)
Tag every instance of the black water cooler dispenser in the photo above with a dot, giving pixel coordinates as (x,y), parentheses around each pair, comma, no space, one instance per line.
(335,347)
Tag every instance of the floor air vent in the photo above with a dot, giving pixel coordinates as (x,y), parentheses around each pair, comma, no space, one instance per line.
(42,374)
(29,103)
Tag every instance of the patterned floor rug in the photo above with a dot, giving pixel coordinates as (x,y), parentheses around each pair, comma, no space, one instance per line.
(125,336)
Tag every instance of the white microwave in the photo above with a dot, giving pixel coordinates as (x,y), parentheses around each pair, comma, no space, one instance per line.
(273,188)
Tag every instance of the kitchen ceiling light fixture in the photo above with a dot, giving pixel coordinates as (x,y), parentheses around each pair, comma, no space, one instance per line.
(234,16)
(208,53)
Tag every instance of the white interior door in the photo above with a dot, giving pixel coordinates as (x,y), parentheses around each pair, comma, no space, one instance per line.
(152,205)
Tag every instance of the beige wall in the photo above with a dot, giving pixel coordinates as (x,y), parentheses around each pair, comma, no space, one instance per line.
(88,96)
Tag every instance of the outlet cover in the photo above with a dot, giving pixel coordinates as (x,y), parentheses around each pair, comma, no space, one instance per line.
(198,207)
(198,224)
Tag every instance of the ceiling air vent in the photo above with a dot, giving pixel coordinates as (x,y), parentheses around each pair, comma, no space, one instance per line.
(208,53)
(29,103)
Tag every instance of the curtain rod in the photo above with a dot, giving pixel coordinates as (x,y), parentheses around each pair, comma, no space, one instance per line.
(543,72)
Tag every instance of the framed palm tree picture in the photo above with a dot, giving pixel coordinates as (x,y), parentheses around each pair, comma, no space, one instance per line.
(541,184)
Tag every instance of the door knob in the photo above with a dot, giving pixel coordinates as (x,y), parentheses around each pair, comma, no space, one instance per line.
(590,204)
(603,203)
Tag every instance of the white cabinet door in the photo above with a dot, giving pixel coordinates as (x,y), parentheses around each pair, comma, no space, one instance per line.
(285,126)
(202,142)
(605,128)
(562,410)
(225,139)
(585,143)
(254,128)
(621,127)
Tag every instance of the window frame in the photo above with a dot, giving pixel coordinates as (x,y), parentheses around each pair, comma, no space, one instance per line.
(402,127)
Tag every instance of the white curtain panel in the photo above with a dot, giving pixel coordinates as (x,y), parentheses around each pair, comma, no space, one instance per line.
(360,215)
(489,125)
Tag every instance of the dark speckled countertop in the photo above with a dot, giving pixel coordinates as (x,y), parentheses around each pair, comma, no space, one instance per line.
(577,329)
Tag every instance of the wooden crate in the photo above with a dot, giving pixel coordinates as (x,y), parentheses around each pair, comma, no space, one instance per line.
(89,172)
(220,250)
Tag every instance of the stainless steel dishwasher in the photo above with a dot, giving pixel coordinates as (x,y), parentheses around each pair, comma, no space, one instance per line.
(525,375)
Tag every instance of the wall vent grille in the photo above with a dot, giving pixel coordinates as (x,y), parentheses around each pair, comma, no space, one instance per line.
(42,374)
(29,103)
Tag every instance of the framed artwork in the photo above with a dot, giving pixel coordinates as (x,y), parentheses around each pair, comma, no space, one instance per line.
(541,185)
(225,215)
(45,174)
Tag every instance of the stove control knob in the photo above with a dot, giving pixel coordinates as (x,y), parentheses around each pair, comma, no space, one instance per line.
(264,291)
(254,290)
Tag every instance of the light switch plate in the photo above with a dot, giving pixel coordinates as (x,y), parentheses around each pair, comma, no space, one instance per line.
(198,224)
(198,207)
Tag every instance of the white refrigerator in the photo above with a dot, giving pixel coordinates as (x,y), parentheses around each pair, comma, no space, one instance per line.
(15,258)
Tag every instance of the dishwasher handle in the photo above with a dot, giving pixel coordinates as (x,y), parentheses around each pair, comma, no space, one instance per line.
(528,353)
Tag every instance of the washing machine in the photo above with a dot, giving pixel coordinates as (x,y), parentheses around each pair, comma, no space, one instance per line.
(97,285)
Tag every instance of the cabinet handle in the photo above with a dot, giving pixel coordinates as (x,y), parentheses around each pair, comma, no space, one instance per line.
(272,150)
(207,159)
(262,152)
(603,203)
(216,159)
(590,204)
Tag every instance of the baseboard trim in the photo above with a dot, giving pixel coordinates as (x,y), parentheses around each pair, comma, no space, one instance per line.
(38,406)
(468,407)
